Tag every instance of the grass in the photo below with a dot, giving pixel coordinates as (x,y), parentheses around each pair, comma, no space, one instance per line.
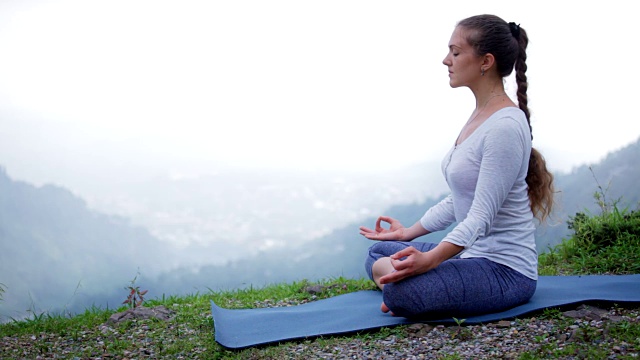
(188,334)
(607,243)
(602,243)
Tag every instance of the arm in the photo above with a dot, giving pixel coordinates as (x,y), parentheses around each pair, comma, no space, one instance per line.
(503,155)
(440,216)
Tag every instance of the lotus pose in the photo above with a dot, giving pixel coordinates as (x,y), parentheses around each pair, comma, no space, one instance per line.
(498,184)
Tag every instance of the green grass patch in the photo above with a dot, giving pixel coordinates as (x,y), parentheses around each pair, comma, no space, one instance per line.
(189,334)
(605,243)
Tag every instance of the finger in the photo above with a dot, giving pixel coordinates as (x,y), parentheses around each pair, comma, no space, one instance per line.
(381,237)
(380,220)
(378,225)
(366,229)
(386,219)
(404,253)
(370,236)
(394,277)
(386,236)
(403,265)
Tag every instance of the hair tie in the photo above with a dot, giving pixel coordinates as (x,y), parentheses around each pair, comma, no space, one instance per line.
(515,30)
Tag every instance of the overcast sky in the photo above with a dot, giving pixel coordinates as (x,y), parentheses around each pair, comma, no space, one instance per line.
(111,89)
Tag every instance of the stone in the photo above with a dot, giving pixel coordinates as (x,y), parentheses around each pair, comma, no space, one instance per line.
(314,289)
(420,330)
(615,318)
(586,312)
(503,324)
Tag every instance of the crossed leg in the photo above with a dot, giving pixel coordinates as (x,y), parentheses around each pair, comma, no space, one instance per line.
(457,286)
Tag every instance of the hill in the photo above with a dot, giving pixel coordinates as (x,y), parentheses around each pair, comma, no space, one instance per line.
(587,332)
(53,247)
(342,252)
(57,254)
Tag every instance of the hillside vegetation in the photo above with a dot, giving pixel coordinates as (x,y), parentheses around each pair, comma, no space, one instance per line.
(602,243)
(607,243)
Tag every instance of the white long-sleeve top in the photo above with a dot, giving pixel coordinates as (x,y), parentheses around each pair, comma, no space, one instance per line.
(489,200)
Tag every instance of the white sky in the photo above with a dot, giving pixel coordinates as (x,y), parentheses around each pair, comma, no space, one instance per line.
(107,89)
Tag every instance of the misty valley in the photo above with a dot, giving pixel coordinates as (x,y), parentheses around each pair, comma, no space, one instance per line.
(61,252)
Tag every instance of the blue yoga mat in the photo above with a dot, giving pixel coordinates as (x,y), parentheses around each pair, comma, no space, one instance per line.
(359,311)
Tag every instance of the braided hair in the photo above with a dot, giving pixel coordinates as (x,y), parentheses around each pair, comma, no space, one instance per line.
(507,42)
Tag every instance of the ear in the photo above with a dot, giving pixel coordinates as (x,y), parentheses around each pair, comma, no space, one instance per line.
(487,62)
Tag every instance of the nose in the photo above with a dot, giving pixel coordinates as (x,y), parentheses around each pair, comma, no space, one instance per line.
(446,61)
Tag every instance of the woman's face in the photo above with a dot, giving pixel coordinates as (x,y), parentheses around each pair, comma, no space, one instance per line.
(462,61)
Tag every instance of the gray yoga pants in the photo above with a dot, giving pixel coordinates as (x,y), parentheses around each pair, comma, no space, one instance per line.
(457,287)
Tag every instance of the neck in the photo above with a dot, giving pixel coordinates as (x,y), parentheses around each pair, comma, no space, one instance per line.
(487,100)
(488,91)
(483,99)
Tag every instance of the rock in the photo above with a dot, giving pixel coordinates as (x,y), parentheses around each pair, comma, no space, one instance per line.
(576,334)
(615,318)
(503,324)
(420,330)
(314,289)
(586,312)
(158,312)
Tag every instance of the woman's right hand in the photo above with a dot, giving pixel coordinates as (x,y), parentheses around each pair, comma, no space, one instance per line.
(395,232)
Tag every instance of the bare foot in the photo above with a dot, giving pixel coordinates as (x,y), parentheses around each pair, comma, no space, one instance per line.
(385,309)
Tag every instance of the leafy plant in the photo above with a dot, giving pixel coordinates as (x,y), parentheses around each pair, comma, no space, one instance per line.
(135,297)
(608,242)
(462,333)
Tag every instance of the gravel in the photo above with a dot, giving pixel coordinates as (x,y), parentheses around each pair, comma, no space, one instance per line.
(574,329)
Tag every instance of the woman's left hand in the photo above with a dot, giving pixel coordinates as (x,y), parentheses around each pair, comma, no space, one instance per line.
(409,262)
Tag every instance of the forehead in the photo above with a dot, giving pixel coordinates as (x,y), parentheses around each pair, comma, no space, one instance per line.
(459,38)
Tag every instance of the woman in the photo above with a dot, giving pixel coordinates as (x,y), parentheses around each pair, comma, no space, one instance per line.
(498,182)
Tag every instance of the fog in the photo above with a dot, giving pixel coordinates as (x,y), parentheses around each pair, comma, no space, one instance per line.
(94,94)
(226,129)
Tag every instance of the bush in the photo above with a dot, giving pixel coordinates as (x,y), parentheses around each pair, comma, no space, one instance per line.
(605,243)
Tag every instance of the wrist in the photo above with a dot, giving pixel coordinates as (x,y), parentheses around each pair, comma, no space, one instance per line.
(444,251)
(431,260)
(405,235)
(415,231)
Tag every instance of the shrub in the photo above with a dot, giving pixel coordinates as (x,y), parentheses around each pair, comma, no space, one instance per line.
(608,242)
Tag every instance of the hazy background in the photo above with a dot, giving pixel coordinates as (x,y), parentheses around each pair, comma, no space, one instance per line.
(226,129)
(97,93)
